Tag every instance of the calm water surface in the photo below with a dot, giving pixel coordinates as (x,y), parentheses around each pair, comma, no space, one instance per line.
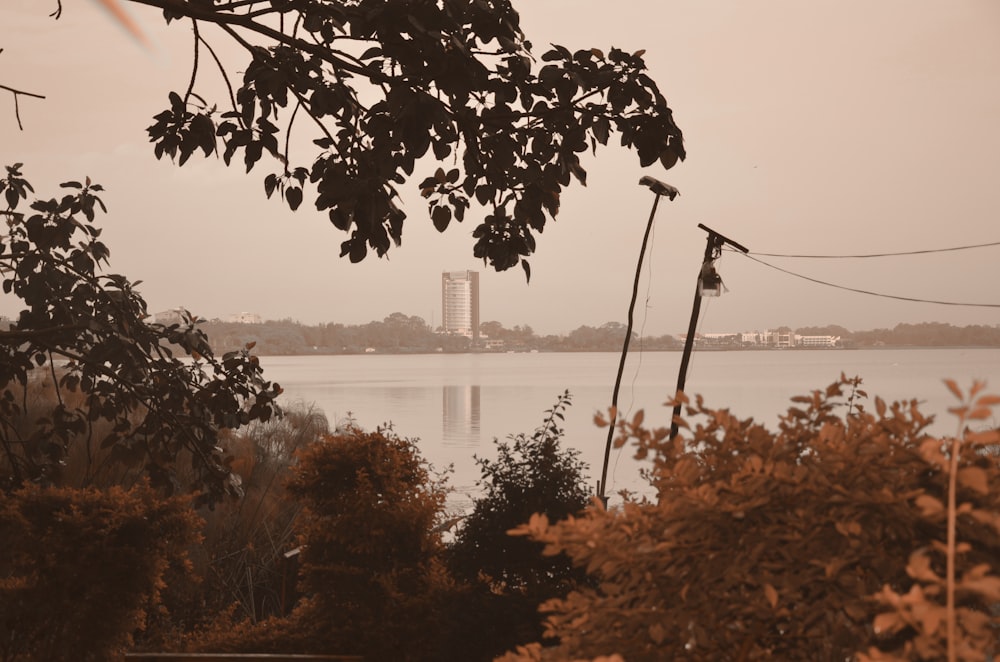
(457,404)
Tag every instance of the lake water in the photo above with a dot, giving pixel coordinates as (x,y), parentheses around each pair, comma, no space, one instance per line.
(457,404)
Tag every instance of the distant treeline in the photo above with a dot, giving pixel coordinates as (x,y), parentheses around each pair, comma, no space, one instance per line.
(403,334)
(927,334)
(399,333)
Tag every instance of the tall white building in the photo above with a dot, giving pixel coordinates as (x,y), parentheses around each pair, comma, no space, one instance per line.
(460,303)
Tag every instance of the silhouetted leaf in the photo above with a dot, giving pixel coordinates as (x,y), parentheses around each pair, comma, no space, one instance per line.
(441,217)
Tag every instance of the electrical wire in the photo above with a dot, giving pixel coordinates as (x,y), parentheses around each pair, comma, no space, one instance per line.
(868,292)
(642,332)
(645,318)
(840,257)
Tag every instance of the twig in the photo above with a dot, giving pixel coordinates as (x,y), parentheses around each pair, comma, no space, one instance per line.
(17,108)
(950,554)
(222,70)
(194,66)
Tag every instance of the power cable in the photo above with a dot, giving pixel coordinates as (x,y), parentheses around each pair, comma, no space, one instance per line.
(645,318)
(642,335)
(868,292)
(840,257)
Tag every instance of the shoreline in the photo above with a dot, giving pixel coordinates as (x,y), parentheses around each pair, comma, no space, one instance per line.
(383,352)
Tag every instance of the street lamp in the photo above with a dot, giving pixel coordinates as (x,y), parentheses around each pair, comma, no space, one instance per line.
(709,285)
(659,188)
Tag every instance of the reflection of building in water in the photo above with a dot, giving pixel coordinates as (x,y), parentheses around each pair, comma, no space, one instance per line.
(460,415)
(460,303)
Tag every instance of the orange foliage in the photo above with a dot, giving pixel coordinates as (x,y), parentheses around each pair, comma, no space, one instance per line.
(82,570)
(769,545)
(370,555)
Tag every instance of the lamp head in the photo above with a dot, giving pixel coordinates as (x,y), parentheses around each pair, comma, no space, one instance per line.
(658,187)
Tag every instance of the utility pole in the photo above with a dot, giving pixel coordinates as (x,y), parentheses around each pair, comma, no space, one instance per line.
(658,188)
(709,284)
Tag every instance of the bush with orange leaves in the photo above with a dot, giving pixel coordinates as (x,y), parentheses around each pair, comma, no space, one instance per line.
(82,570)
(370,569)
(789,545)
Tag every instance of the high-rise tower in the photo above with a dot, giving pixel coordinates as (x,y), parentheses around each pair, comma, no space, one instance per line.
(460,303)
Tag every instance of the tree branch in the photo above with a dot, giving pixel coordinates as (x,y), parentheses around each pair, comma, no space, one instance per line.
(222,70)
(194,65)
(17,108)
(237,4)
(246,22)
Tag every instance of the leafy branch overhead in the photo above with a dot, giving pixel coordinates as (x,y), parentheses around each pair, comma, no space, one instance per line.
(381,85)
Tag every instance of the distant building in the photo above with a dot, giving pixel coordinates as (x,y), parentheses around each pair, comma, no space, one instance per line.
(244,318)
(818,341)
(772,338)
(769,338)
(782,339)
(460,303)
(168,317)
(718,339)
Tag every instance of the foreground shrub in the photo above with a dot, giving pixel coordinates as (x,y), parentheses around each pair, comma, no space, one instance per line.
(771,545)
(82,570)
(951,608)
(531,474)
(370,545)
(508,577)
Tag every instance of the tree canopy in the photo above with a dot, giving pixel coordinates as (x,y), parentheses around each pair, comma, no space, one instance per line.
(453,88)
(111,381)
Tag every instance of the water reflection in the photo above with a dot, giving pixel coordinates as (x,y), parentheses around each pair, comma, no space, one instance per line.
(451,421)
(460,415)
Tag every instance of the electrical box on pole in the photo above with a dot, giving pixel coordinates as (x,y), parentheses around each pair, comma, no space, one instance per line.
(709,284)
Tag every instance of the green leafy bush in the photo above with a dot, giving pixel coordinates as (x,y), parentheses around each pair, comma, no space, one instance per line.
(531,474)
(508,577)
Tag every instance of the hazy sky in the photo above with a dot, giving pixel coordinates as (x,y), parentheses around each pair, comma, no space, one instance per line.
(812,127)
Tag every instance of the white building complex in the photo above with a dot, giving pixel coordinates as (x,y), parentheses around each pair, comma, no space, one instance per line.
(168,317)
(770,339)
(460,303)
(244,318)
(785,339)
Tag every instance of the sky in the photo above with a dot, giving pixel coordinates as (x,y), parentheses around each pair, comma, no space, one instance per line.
(833,127)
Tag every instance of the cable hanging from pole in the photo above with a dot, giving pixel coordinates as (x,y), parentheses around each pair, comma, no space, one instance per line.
(868,292)
(872,255)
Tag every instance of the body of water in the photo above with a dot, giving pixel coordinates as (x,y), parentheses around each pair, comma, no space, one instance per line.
(457,404)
